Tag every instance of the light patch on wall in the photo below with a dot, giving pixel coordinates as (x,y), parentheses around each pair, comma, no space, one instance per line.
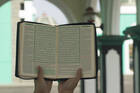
(5,41)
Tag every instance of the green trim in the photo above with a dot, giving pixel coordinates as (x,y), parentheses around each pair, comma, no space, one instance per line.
(111,40)
(134,32)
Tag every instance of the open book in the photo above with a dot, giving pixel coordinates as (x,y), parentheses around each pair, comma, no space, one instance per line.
(59,50)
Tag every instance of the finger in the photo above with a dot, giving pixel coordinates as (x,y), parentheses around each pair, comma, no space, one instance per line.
(78,75)
(40,73)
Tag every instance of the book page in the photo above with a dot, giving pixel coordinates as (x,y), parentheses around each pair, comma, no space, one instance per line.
(45,48)
(27,47)
(39,49)
(76,49)
(68,50)
(87,50)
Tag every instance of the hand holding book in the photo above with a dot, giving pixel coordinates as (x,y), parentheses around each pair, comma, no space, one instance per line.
(67,86)
(42,85)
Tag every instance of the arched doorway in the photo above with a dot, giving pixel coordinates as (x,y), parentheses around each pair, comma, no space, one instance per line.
(44,12)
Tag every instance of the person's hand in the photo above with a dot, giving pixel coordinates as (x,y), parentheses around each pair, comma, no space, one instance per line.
(69,85)
(42,85)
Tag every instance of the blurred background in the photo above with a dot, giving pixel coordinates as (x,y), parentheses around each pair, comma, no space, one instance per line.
(111,18)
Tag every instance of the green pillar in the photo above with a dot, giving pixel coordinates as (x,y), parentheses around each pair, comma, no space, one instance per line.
(105,44)
(134,32)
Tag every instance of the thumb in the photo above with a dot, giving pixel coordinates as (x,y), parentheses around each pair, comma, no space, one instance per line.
(78,75)
(40,73)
